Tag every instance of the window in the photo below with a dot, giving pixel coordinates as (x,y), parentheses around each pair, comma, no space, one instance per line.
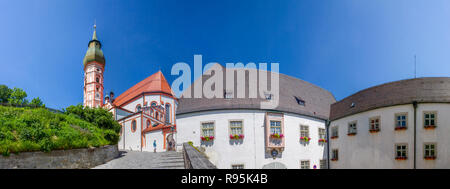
(97,95)
(304,164)
(429,120)
(133,126)
(334,155)
(97,79)
(322,133)
(401,121)
(352,128)
(208,129)
(153,104)
(275,127)
(228,94)
(268,96)
(304,131)
(149,123)
(429,151)
(300,101)
(334,132)
(167,113)
(323,164)
(401,151)
(236,128)
(138,108)
(237,166)
(374,124)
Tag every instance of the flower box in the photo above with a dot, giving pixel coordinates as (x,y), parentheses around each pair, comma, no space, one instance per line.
(351,134)
(374,130)
(334,137)
(306,139)
(430,158)
(277,136)
(236,137)
(400,128)
(401,158)
(429,126)
(207,138)
(322,140)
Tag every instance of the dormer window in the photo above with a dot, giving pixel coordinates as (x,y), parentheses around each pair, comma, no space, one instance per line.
(268,96)
(300,101)
(228,95)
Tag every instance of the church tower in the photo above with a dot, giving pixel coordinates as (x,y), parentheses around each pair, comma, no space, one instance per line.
(94,66)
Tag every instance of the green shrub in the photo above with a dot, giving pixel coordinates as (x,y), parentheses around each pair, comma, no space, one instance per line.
(38,129)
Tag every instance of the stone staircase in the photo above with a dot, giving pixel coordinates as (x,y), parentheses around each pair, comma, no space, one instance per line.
(145,160)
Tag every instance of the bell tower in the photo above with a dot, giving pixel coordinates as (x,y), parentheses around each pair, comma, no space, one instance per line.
(94,66)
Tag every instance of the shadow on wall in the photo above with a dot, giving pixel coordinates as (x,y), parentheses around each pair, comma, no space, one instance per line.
(207,143)
(236,141)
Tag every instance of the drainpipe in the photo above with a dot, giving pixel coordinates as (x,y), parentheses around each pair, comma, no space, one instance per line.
(415,132)
(327,126)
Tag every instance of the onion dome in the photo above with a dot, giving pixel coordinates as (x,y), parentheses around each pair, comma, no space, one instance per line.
(94,52)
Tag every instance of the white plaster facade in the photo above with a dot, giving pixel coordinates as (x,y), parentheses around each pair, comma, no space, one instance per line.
(377,150)
(251,151)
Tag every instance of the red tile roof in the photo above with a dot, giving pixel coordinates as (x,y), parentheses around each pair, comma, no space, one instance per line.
(155,83)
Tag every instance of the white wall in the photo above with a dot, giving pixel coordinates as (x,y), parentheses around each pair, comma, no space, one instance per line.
(252,151)
(377,150)
(131,139)
(152,136)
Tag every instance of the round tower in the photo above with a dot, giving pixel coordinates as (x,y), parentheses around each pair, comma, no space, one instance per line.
(94,66)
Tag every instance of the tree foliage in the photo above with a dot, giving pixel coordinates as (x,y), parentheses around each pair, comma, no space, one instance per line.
(5,93)
(37,102)
(18,97)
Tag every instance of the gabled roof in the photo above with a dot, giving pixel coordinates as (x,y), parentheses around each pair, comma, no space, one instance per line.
(156,83)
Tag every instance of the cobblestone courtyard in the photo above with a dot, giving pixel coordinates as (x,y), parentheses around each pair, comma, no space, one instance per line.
(145,160)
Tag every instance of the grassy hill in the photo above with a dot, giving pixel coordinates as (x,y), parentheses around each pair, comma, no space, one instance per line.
(38,129)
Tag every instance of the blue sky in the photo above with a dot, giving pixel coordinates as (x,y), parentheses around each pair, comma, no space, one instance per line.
(343,46)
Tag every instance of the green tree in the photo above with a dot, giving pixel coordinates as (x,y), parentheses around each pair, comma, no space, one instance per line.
(18,96)
(5,93)
(37,102)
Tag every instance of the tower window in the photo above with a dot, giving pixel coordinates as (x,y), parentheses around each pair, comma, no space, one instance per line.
(97,79)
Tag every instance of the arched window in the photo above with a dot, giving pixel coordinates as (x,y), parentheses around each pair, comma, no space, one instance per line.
(97,79)
(167,113)
(157,116)
(138,108)
(148,123)
(153,104)
(133,126)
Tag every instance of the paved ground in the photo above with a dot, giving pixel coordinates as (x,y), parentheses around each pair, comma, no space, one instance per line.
(145,160)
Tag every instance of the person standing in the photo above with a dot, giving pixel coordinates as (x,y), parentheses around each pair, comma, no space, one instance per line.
(154,146)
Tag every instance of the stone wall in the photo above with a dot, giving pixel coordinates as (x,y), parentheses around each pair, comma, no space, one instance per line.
(193,159)
(60,159)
